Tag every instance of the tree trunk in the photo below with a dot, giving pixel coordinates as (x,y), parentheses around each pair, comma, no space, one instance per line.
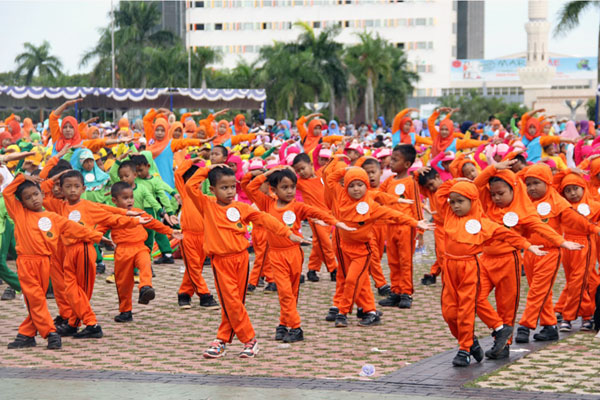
(371,99)
(331,103)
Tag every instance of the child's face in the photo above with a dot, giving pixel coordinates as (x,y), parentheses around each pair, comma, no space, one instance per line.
(501,194)
(127,175)
(224,190)
(32,198)
(88,164)
(285,190)
(29,166)
(304,169)
(124,199)
(222,129)
(516,167)
(68,131)
(550,150)
(469,171)
(374,173)
(217,156)
(177,134)
(536,189)
(406,127)
(459,204)
(433,184)
(446,165)
(532,130)
(205,154)
(398,164)
(5,142)
(57,191)
(245,150)
(142,170)
(444,131)
(100,164)
(323,160)
(264,187)
(232,165)
(546,129)
(357,189)
(72,189)
(317,130)
(352,154)
(160,133)
(385,161)
(573,193)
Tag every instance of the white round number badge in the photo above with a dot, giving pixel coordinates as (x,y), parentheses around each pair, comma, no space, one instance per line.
(89,177)
(75,216)
(400,189)
(45,224)
(584,209)
(289,217)
(473,226)
(510,219)
(362,208)
(233,214)
(544,208)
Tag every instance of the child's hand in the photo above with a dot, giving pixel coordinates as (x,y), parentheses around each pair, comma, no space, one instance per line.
(177,235)
(64,151)
(213,166)
(504,164)
(579,171)
(107,241)
(34,178)
(537,250)
(178,198)
(171,219)
(144,220)
(405,201)
(425,226)
(344,227)
(571,245)
(319,222)
(133,213)
(423,170)
(298,239)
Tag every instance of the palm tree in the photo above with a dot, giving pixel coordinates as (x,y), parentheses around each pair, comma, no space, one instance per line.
(201,57)
(394,88)
(569,18)
(37,58)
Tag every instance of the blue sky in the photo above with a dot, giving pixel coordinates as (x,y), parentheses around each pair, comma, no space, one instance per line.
(71,27)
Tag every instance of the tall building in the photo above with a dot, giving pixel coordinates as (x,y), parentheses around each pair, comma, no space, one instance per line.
(426,30)
(470,29)
(173,16)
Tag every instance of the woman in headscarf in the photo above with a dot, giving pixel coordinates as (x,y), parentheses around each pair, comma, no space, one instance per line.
(445,139)
(403,130)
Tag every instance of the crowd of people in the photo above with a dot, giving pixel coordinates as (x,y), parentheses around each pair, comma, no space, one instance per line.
(499,200)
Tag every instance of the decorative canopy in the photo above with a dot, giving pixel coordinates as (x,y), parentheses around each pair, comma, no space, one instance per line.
(95,99)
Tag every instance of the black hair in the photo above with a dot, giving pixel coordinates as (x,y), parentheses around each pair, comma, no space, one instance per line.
(427,176)
(223,150)
(408,151)
(36,172)
(127,164)
(371,161)
(498,179)
(62,165)
(301,157)
(521,158)
(118,187)
(189,173)
(23,186)
(139,159)
(71,174)
(215,174)
(276,177)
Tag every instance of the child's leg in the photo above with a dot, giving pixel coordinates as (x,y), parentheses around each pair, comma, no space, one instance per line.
(508,288)
(358,259)
(438,234)
(80,274)
(287,267)
(125,258)
(259,242)
(34,275)
(193,258)
(377,245)
(491,268)
(149,243)
(400,252)
(6,274)
(576,288)
(163,244)
(231,280)
(467,293)
(342,270)
(451,280)
(143,263)
(322,251)
(58,282)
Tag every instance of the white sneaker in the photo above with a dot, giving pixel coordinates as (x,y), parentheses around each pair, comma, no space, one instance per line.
(250,349)
(182,269)
(597,337)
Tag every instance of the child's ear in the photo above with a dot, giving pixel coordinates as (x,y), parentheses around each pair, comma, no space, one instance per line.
(114,200)
(212,190)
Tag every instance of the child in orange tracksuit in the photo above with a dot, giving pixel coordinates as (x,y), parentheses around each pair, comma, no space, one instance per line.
(131,251)
(467,230)
(80,256)
(191,245)
(575,300)
(541,272)
(353,205)
(225,223)
(401,238)
(311,186)
(37,233)
(286,257)
(505,201)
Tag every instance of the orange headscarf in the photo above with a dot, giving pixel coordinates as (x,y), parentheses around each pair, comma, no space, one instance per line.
(457,165)
(158,146)
(190,127)
(311,140)
(124,122)
(347,205)
(552,197)
(538,132)
(176,125)
(222,138)
(240,127)
(565,178)
(27,126)
(521,203)
(75,140)
(399,121)
(440,144)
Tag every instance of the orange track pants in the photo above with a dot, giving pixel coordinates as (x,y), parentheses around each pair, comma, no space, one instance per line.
(378,245)
(57,274)
(357,288)
(34,272)
(440,250)
(231,280)
(459,293)
(400,249)
(541,274)
(128,257)
(193,255)
(262,266)
(80,276)
(287,267)
(322,250)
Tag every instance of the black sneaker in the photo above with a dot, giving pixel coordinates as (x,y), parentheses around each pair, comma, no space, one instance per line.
(21,342)
(124,317)
(270,288)
(384,290)
(9,294)
(312,276)
(184,300)
(501,338)
(462,359)
(476,350)
(405,301)
(261,282)
(341,321)
(280,332)
(587,325)
(428,279)
(66,330)
(547,333)
(302,278)
(333,275)
(207,261)
(54,342)
(89,332)
(58,321)
(208,301)
(360,314)
(165,260)
(250,289)
(294,335)
(370,320)
(505,353)
(147,293)
(559,317)
(565,326)
(522,335)
(100,268)
(50,293)
(391,301)
(333,312)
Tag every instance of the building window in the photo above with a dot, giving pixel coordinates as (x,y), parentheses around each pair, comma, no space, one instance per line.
(347,24)
(421,45)
(400,45)
(199,4)
(420,21)
(218,27)
(199,27)
(317,24)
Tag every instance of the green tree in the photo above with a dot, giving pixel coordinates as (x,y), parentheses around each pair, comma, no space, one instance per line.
(590,108)
(475,107)
(397,85)
(201,57)
(37,58)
